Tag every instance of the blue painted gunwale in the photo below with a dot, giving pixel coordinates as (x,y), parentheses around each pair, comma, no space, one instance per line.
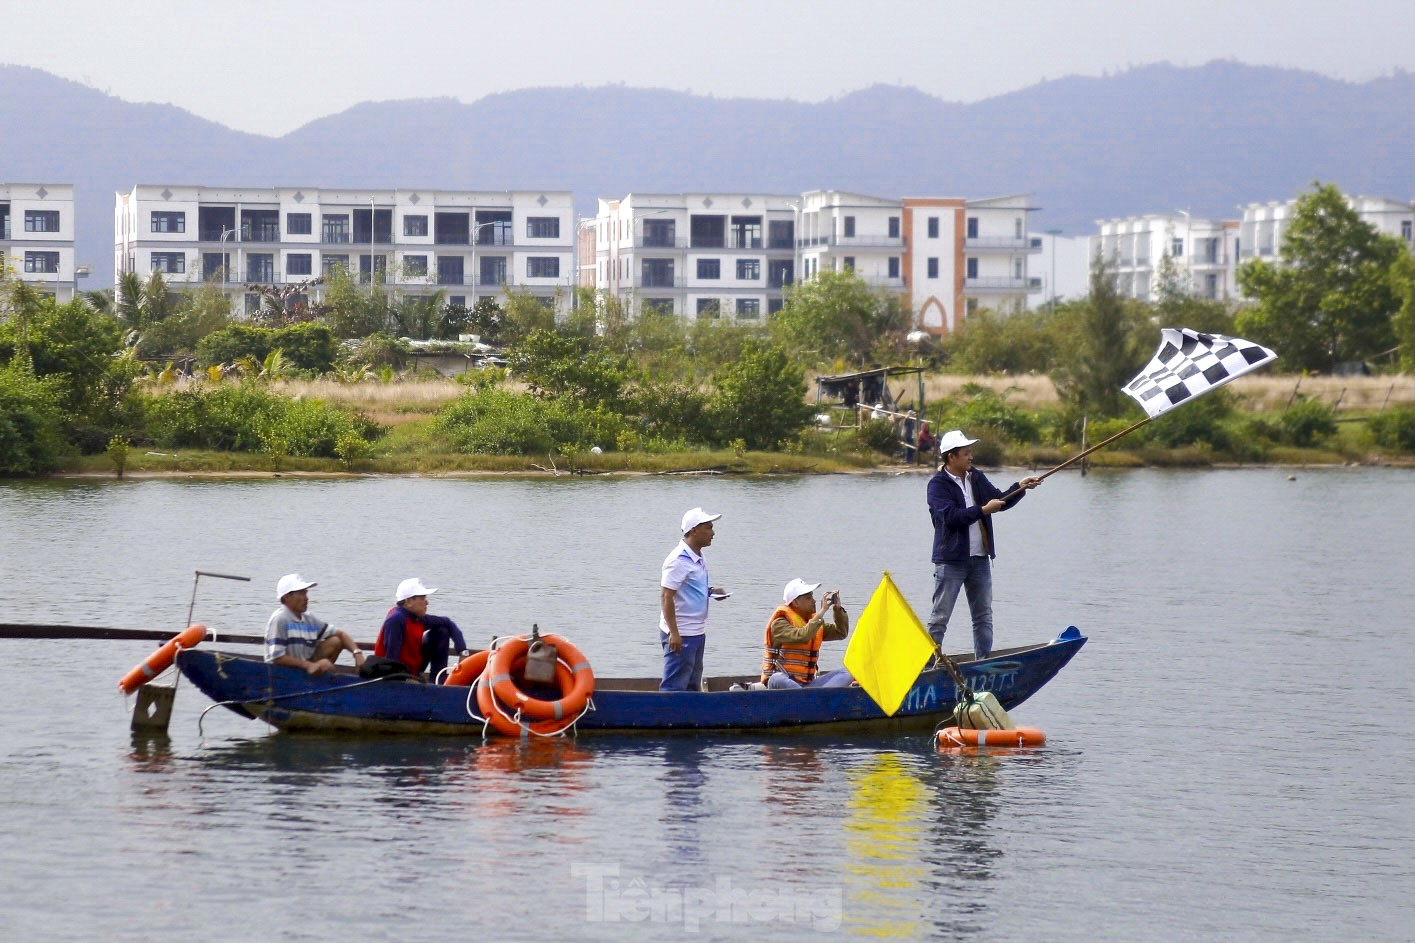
(290,700)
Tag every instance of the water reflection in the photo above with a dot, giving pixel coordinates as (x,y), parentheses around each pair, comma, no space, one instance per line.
(885,827)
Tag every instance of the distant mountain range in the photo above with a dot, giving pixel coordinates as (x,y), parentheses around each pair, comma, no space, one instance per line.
(1152,139)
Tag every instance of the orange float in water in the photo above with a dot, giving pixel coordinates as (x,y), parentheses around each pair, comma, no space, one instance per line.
(160,660)
(1014,737)
(469,669)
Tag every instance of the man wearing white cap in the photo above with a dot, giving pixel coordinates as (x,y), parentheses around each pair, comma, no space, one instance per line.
(415,638)
(961,503)
(794,634)
(295,638)
(683,604)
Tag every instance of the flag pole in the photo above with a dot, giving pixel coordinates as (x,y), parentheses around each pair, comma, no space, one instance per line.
(1076,458)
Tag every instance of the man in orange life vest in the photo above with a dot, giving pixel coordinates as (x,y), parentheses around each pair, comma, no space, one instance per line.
(413,637)
(794,634)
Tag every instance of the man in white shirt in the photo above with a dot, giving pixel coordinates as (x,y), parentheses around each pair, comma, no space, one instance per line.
(683,604)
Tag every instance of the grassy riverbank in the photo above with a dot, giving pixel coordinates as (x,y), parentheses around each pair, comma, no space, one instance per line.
(412,443)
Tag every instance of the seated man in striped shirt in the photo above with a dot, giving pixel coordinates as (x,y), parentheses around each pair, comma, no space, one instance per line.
(295,638)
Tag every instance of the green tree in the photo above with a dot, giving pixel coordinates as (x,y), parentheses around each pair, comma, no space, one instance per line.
(760,399)
(1403,323)
(354,310)
(525,313)
(556,365)
(1332,298)
(31,437)
(834,315)
(1176,306)
(1100,347)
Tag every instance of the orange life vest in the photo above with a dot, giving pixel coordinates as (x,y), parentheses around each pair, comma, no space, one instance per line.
(800,661)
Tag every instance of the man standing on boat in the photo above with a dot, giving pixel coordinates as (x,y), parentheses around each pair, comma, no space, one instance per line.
(794,633)
(295,638)
(961,503)
(683,604)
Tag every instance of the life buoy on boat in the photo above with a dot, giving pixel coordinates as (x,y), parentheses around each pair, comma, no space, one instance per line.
(1014,737)
(574,695)
(503,720)
(160,660)
(466,671)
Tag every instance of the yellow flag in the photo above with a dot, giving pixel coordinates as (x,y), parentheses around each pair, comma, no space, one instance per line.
(888,648)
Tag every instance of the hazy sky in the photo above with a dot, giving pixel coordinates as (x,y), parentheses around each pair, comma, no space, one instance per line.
(269,66)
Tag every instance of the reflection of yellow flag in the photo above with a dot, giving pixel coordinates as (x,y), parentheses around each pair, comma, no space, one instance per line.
(888,648)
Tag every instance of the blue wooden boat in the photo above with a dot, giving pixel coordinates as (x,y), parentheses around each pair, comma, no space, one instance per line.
(291,700)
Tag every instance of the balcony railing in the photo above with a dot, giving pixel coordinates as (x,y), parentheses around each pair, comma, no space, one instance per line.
(5,228)
(659,242)
(1006,243)
(677,281)
(1003,283)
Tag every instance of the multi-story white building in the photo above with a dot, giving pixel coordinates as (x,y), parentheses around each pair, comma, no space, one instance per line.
(696,254)
(1264,224)
(467,244)
(37,237)
(1206,254)
(1201,254)
(732,254)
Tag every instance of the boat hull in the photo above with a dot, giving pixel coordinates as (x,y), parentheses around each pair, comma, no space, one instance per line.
(291,700)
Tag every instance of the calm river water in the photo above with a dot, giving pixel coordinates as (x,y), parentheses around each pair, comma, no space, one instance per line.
(1229,758)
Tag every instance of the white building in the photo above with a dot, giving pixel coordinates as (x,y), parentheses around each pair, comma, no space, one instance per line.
(732,254)
(37,237)
(1201,253)
(695,254)
(1207,254)
(1064,266)
(467,244)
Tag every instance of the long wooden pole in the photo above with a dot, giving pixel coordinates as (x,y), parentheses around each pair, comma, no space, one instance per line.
(1076,458)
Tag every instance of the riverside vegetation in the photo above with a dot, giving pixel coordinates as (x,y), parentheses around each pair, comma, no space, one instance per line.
(91,385)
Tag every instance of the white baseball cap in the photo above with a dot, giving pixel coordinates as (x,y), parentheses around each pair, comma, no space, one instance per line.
(798,588)
(292,583)
(697,516)
(954,439)
(410,587)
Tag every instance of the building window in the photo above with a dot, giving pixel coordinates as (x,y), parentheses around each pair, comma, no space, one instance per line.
(849,227)
(971,307)
(972,228)
(658,233)
(1017,227)
(260,267)
(746,232)
(299,224)
(1176,248)
(933,268)
(656,273)
(169,221)
(415,226)
(1211,286)
(169,262)
(543,267)
(773,305)
(749,269)
(709,308)
(894,266)
(299,263)
(781,234)
(849,263)
(329,263)
(451,270)
(493,269)
(972,268)
(214,266)
(42,263)
(1017,269)
(658,305)
(933,227)
(336,228)
(894,227)
(41,220)
(543,227)
(1405,229)
(749,308)
(708,232)
(415,266)
(709,268)
(779,272)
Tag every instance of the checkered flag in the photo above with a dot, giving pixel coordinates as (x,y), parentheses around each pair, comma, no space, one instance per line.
(1189,364)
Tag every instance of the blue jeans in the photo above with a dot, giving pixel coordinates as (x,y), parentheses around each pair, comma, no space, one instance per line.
(976,577)
(683,671)
(836,678)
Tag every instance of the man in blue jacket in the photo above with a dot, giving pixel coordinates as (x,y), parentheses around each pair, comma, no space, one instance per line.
(961,503)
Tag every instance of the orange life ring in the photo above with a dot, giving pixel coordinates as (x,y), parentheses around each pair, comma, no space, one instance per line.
(160,660)
(468,669)
(573,696)
(1014,737)
(503,722)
